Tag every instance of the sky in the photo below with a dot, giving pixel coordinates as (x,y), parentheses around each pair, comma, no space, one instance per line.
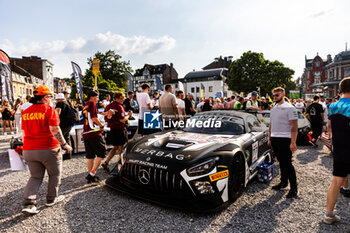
(189,34)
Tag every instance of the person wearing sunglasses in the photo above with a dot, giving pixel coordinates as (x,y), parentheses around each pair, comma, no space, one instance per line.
(42,141)
(283,132)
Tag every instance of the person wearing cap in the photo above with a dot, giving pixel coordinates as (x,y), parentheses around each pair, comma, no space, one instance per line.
(66,125)
(253,103)
(95,145)
(42,141)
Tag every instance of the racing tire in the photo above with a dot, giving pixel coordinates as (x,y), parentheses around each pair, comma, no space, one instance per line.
(237,177)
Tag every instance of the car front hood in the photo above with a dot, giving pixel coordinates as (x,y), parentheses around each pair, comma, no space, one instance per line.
(177,150)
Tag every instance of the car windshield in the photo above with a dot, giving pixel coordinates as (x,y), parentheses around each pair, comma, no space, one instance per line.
(226,125)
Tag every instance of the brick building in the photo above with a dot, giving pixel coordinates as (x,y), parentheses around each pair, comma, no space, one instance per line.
(38,67)
(322,76)
(314,75)
(150,73)
(336,71)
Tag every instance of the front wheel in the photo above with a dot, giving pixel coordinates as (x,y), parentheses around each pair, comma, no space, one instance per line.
(237,177)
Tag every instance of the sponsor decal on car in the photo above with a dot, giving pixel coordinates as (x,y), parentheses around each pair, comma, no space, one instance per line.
(159,153)
(148,164)
(255,149)
(218,175)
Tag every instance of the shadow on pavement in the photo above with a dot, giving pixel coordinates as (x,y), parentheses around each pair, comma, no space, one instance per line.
(241,222)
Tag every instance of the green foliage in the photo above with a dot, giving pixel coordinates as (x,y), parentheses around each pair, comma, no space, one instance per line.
(112,69)
(252,71)
(89,80)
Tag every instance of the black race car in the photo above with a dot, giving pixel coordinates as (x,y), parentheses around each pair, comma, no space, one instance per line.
(199,168)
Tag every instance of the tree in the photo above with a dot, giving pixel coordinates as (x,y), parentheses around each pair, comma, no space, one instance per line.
(253,72)
(103,84)
(111,68)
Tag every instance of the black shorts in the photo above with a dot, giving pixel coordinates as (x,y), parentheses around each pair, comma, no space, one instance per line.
(117,137)
(341,168)
(95,146)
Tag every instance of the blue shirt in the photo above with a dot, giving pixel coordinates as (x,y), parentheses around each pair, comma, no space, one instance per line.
(339,115)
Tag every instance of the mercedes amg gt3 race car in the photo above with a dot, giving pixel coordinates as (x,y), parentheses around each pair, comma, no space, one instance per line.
(199,168)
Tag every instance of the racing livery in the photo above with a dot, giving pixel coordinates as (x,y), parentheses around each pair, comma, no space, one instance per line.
(201,167)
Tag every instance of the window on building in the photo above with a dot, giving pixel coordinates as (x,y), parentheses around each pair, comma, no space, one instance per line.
(317,64)
(197,89)
(210,88)
(317,76)
(192,89)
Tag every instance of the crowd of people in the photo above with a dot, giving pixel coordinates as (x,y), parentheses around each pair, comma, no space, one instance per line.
(45,131)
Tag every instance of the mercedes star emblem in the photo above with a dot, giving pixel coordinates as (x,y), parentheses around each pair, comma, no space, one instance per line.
(144,176)
(148,159)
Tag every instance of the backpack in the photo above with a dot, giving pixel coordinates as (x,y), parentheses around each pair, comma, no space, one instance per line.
(244,107)
(72,115)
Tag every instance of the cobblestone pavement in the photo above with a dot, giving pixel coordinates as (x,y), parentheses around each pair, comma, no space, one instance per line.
(99,209)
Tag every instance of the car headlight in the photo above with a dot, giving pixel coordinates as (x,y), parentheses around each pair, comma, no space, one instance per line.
(202,168)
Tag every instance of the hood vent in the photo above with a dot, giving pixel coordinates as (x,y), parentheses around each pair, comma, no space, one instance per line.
(171,144)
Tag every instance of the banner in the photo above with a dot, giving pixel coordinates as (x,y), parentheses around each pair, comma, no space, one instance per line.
(159,84)
(202,90)
(95,69)
(78,77)
(294,94)
(130,81)
(6,77)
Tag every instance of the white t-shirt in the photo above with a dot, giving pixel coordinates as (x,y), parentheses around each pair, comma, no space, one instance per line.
(26,105)
(143,99)
(105,102)
(199,106)
(324,106)
(180,106)
(279,120)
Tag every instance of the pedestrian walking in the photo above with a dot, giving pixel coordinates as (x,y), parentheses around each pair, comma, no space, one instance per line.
(283,131)
(253,104)
(239,103)
(95,145)
(144,103)
(27,103)
(128,104)
(181,105)
(168,105)
(18,115)
(218,104)
(66,119)
(339,132)
(116,121)
(315,114)
(189,107)
(42,141)
(7,117)
(299,105)
(207,106)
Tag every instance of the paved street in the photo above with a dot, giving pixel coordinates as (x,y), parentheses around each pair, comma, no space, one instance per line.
(99,209)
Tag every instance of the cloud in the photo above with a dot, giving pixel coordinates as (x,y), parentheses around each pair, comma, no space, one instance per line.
(139,45)
(61,52)
(319,14)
